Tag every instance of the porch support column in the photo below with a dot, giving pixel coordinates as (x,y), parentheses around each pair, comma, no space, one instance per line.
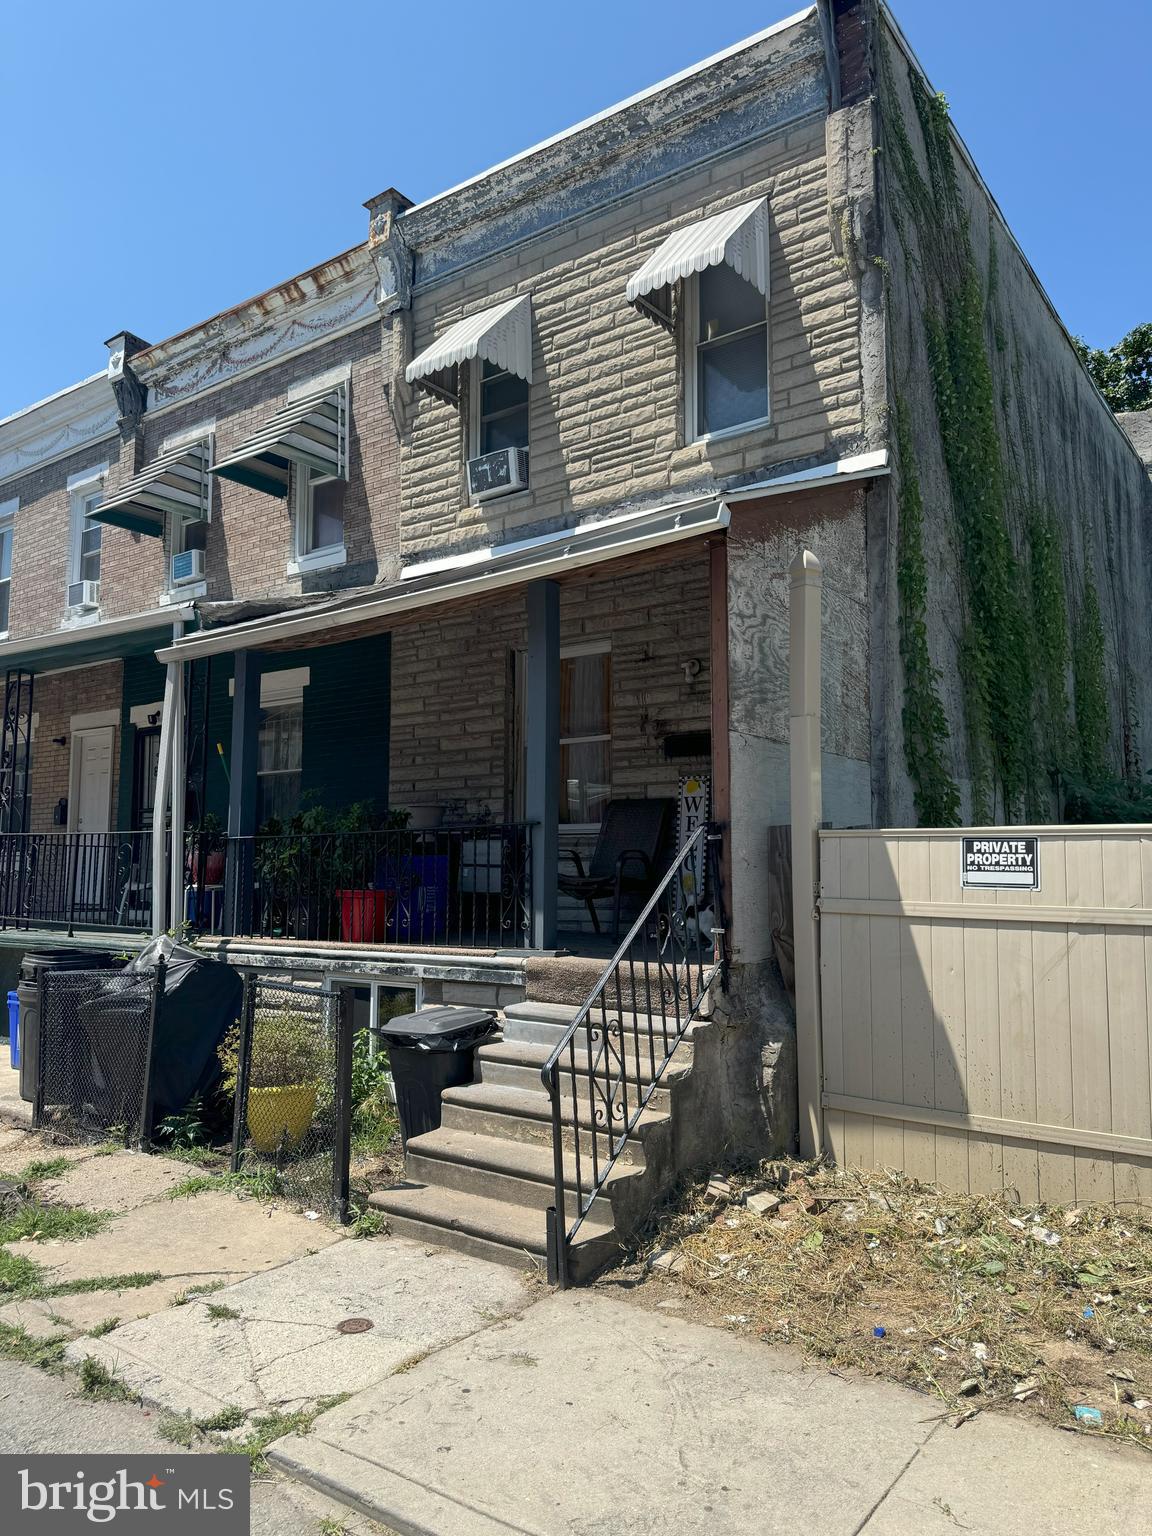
(542,754)
(160,806)
(242,788)
(805,580)
(179,800)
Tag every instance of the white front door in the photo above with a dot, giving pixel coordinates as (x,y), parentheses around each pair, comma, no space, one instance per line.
(90,790)
(90,816)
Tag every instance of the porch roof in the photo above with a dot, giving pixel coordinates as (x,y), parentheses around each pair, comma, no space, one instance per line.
(472,575)
(134,635)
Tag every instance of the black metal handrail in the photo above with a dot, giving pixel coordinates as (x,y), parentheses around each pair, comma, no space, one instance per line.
(659,975)
(76,879)
(464,887)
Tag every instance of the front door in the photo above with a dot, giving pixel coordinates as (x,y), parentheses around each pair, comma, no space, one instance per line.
(89,815)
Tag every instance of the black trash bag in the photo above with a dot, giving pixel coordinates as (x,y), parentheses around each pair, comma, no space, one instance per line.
(201,1002)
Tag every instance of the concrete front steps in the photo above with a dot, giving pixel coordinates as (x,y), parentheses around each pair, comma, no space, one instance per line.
(483,1182)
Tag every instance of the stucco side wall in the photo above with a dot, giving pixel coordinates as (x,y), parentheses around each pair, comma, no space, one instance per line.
(762,541)
(1063,453)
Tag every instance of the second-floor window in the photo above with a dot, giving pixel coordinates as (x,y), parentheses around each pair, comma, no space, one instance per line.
(502,409)
(319,514)
(730,353)
(7,519)
(87,539)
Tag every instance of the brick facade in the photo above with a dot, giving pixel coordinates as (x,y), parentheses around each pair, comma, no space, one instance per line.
(58,697)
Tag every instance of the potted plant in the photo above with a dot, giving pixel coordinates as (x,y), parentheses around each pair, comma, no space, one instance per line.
(284,1074)
(365,907)
(206,839)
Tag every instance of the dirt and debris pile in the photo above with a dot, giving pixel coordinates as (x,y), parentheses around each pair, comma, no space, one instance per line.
(979,1299)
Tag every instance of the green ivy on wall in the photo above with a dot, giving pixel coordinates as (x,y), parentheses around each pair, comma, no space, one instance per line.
(1090,688)
(1013,650)
(925,722)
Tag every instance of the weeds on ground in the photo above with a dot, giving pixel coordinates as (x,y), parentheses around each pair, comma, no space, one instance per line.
(17,1344)
(368,1222)
(260,1183)
(979,1299)
(44,1222)
(44,1168)
(273,1426)
(101,1329)
(101,1384)
(197,1292)
(22,1279)
(221,1314)
(183,1429)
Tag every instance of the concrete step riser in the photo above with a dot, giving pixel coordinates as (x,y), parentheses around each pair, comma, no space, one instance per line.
(585,1261)
(510,1074)
(542,1032)
(469,1179)
(488,1122)
(467,1242)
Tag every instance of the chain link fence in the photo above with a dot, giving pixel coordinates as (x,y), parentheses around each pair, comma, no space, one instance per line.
(94,1050)
(291,1059)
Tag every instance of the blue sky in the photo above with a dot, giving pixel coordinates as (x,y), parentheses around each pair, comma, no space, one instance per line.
(163,162)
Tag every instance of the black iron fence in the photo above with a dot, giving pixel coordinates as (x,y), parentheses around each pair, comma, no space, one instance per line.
(614,1054)
(467,887)
(291,1060)
(94,1052)
(76,879)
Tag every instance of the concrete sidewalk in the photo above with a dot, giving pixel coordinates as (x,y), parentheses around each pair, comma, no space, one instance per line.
(590,1417)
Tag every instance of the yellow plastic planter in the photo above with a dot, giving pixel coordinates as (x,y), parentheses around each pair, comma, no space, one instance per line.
(280,1118)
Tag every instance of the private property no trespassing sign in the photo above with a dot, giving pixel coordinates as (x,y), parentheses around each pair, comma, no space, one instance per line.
(1002,863)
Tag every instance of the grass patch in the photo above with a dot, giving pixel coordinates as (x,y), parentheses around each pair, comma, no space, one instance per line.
(101,1385)
(18,1344)
(369,1222)
(1045,1307)
(273,1426)
(221,1314)
(227,1418)
(105,1327)
(198,1292)
(177,1427)
(261,1184)
(45,1222)
(22,1279)
(213,1159)
(44,1168)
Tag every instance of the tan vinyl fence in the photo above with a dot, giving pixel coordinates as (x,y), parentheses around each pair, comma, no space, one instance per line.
(990,1038)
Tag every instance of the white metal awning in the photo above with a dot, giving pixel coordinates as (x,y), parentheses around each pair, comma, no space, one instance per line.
(175,482)
(501,335)
(311,430)
(474,575)
(738,237)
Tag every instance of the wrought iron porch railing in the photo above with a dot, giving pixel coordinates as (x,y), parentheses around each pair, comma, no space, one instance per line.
(604,1071)
(76,879)
(467,887)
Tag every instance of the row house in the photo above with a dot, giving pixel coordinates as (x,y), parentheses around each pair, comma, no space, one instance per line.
(405,624)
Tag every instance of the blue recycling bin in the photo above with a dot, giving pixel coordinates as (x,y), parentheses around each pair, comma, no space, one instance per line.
(14,1027)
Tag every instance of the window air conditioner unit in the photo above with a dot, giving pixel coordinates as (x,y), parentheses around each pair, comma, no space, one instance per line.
(84,594)
(498,474)
(187,566)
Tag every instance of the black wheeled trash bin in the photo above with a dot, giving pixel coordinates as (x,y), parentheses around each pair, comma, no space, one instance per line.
(429,1051)
(56,958)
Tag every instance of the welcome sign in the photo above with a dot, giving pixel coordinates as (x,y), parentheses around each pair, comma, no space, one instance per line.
(1001,863)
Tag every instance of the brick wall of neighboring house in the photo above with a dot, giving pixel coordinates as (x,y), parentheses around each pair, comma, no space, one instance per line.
(607,408)
(131,572)
(58,697)
(250,537)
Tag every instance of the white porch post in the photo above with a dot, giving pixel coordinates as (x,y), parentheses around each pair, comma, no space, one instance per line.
(179,800)
(160,806)
(805,580)
(542,754)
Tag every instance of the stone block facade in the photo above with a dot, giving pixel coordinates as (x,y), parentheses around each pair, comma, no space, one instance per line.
(607,424)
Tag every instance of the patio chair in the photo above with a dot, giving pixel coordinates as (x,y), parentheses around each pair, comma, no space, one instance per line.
(624,859)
